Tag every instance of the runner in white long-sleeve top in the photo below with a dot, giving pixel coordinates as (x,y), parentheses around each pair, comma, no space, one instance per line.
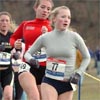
(60,45)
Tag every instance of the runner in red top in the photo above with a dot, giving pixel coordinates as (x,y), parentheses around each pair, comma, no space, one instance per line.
(30,31)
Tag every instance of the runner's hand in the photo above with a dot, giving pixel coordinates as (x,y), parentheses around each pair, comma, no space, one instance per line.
(18,44)
(34,63)
(16,56)
(75,78)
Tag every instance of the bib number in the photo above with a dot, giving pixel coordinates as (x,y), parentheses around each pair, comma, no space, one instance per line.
(24,67)
(5,58)
(55,68)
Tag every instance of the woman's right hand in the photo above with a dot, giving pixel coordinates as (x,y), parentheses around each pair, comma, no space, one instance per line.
(18,44)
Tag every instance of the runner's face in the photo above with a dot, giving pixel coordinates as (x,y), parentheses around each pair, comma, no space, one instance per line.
(4,23)
(63,19)
(43,10)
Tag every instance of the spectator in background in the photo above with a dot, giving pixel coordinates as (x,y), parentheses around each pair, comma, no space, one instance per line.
(92,62)
(30,31)
(78,58)
(97,55)
(78,62)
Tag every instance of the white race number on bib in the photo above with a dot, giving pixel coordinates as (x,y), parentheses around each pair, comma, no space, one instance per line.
(55,68)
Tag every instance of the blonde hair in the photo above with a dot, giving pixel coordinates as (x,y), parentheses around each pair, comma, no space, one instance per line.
(13,26)
(55,12)
(37,2)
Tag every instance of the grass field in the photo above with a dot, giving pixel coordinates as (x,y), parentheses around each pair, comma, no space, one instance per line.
(90,89)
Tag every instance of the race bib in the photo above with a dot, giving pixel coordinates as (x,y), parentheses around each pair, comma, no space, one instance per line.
(55,68)
(5,58)
(40,55)
(16,62)
(24,67)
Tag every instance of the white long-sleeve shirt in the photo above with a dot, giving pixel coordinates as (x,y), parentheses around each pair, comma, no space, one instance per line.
(62,45)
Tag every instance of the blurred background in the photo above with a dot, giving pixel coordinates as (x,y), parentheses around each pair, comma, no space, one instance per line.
(86,21)
(85,16)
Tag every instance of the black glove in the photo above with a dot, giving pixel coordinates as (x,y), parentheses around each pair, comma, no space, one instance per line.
(16,56)
(2,47)
(75,78)
(34,63)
